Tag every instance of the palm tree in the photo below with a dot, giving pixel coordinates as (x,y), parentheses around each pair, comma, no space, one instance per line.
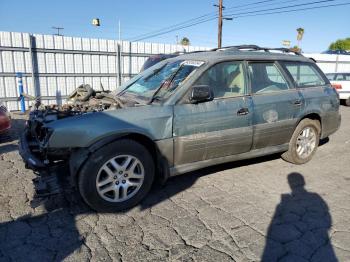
(300,35)
(185,41)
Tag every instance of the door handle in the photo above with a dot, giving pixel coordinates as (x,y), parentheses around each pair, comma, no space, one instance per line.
(297,102)
(243,111)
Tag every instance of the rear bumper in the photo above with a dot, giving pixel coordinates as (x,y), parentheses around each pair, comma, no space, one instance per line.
(332,126)
(30,160)
(344,94)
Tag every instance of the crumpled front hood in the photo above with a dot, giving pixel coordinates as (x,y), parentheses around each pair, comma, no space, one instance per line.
(154,121)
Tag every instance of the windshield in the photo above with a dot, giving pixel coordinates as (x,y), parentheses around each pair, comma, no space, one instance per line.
(162,79)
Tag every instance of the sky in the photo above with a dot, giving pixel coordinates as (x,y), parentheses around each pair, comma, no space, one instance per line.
(322,26)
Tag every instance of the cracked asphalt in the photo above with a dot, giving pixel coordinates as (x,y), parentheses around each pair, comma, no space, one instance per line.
(262,209)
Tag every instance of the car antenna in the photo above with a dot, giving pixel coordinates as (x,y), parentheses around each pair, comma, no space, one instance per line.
(102,87)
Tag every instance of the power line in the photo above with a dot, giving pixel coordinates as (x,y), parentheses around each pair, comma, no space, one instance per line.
(175,29)
(212,15)
(256,3)
(239,15)
(250,8)
(176,25)
(283,7)
(293,10)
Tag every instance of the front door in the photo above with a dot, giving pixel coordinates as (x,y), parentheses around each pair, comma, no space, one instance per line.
(216,128)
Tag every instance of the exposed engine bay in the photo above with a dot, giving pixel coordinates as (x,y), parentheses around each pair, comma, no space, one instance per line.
(82,100)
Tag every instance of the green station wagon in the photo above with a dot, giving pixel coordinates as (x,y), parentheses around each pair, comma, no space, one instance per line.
(182,114)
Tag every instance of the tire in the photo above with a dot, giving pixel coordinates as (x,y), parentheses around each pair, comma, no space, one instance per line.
(293,154)
(347,102)
(106,165)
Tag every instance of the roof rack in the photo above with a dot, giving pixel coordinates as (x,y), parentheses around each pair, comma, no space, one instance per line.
(255,48)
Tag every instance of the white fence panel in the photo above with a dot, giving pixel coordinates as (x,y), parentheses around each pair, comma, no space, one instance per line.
(53,66)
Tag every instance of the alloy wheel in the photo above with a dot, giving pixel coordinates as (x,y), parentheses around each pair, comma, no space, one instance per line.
(306,142)
(120,178)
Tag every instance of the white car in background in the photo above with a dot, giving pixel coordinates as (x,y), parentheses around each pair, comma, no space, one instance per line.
(341,82)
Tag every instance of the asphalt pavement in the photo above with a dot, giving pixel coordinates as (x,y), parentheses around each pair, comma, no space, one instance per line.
(262,209)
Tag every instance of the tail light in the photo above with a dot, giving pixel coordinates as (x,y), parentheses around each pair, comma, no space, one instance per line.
(337,86)
(3,109)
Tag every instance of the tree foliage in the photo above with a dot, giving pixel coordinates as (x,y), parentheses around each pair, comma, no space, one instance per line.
(185,41)
(340,44)
(300,35)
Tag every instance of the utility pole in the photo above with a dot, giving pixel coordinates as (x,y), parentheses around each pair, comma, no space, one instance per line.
(58,30)
(220,25)
(220,18)
(119,31)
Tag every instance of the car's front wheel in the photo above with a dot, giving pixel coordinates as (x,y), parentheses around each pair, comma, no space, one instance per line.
(117,176)
(304,142)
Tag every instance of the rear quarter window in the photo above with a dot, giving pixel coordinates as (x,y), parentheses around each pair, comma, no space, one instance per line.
(304,74)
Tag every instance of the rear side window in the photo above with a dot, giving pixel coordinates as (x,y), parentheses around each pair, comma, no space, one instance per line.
(266,77)
(347,77)
(304,74)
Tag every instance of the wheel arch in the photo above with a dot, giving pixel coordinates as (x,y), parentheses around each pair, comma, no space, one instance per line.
(312,116)
(80,156)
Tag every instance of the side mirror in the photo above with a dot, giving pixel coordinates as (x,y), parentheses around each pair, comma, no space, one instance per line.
(201,93)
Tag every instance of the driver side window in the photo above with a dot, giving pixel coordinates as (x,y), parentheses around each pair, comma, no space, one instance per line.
(226,79)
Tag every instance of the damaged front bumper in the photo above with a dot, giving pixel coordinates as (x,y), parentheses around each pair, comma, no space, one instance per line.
(51,177)
(30,160)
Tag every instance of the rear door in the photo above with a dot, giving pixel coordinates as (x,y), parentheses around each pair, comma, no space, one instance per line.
(318,95)
(277,104)
(217,128)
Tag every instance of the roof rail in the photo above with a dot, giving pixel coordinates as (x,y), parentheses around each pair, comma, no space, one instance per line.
(256,48)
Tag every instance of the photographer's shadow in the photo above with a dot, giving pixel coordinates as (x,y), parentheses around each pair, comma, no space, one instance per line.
(299,228)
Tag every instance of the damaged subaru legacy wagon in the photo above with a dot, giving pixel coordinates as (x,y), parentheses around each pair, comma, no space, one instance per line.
(183,114)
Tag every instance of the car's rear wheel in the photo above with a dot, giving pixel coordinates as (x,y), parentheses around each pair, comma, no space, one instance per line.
(117,176)
(347,102)
(304,142)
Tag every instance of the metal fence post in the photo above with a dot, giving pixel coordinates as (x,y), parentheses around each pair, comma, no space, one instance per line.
(20,90)
(34,61)
(336,64)
(119,66)
(130,60)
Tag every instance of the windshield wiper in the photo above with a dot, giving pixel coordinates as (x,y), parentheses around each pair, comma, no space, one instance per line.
(154,95)
(168,82)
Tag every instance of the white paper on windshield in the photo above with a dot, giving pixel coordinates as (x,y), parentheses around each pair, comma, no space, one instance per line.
(192,63)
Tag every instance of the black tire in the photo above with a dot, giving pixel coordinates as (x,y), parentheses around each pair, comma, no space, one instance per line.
(88,175)
(347,102)
(291,155)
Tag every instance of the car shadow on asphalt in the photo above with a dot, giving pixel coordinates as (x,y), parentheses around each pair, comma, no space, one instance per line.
(8,148)
(180,183)
(54,235)
(299,227)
